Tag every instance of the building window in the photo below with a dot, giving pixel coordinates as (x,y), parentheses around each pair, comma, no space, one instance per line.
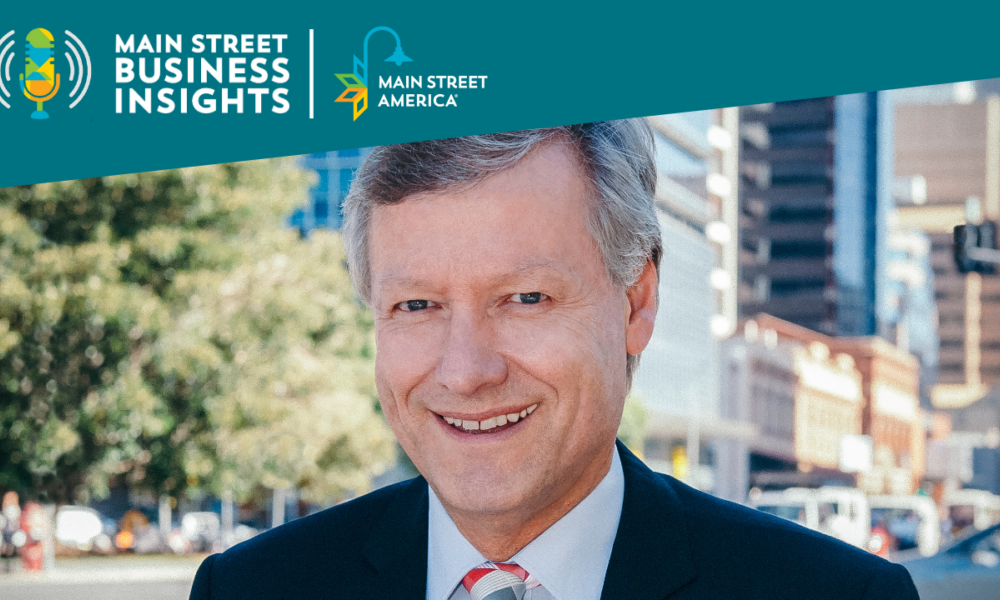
(810,249)
(791,287)
(681,166)
(335,173)
(784,137)
(791,214)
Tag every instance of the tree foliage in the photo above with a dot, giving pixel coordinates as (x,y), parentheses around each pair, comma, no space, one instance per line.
(167,330)
(634,427)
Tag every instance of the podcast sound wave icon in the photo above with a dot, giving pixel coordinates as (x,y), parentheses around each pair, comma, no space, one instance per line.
(39,80)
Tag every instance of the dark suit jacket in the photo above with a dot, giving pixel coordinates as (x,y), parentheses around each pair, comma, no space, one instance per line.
(673,542)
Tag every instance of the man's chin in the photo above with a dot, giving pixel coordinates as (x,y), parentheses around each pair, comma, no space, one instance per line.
(486,492)
(484,505)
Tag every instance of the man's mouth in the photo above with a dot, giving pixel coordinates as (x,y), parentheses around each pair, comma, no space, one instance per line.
(490,424)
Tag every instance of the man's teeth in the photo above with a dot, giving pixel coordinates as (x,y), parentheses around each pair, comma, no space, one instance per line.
(492,422)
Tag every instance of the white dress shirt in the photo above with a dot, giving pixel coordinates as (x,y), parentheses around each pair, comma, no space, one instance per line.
(569,559)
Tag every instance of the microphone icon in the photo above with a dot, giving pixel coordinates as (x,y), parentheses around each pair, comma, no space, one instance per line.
(39,82)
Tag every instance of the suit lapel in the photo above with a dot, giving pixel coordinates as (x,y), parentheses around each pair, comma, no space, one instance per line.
(651,557)
(397,545)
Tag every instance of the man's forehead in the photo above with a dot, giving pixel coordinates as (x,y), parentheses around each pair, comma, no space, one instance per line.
(401,274)
(526,219)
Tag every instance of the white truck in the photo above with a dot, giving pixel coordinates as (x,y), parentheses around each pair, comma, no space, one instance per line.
(912,521)
(840,512)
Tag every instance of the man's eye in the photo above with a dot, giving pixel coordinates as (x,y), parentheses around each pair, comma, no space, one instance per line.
(529,298)
(414,305)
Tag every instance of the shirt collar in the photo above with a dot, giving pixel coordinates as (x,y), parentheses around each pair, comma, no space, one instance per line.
(569,559)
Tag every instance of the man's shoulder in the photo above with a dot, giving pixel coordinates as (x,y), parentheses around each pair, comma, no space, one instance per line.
(746,547)
(308,551)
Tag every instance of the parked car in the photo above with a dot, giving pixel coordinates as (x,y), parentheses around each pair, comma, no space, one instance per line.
(147,539)
(969,570)
(82,528)
(840,512)
(911,522)
(202,529)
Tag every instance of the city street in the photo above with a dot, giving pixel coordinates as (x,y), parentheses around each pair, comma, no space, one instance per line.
(106,578)
(161,590)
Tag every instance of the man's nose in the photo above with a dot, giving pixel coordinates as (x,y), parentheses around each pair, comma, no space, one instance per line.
(470,361)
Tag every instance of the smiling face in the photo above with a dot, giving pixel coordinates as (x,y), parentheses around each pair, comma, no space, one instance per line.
(501,340)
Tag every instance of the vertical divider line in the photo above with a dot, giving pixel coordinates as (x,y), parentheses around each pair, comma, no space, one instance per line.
(312,89)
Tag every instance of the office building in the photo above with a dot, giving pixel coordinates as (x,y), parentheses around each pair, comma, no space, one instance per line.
(891,414)
(801,398)
(678,378)
(815,193)
(826,410)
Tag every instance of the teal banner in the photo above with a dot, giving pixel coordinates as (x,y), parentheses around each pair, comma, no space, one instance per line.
(92,89)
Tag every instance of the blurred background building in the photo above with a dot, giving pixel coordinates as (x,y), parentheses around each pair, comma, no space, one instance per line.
(334,174)
(815,188)
(948,137)
(845,262)
(696,198)
(955,148)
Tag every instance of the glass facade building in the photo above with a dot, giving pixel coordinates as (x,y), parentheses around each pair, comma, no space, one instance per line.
(816,195)
(335,172)
(679,368)
(678,379)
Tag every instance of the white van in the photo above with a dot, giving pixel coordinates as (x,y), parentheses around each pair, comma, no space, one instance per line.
(912,521)
(839,512)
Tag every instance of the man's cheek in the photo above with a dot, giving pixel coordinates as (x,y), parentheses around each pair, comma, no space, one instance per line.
(392,393)
(411,351)
(389,408)
(549,347)
(399,365)
(560,360)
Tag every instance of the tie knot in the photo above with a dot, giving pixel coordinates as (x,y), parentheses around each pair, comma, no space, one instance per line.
(496,581)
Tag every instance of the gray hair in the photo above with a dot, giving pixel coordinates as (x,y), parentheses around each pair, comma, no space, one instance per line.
(617,156)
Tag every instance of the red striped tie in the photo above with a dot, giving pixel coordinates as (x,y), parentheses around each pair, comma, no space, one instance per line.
(496,581)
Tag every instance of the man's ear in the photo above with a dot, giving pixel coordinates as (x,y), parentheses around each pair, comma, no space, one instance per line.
(641,315)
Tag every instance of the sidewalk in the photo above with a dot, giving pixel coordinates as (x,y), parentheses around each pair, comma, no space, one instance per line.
(110,569)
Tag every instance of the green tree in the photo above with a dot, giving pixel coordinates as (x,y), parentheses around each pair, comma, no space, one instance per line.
(634,427)
(167,330)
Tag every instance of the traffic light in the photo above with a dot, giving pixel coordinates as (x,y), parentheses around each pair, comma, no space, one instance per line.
(970,237)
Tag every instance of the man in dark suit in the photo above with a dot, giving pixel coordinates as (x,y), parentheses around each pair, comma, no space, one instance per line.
(513,281)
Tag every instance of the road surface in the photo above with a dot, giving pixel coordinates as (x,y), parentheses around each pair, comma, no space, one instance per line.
(105,578)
